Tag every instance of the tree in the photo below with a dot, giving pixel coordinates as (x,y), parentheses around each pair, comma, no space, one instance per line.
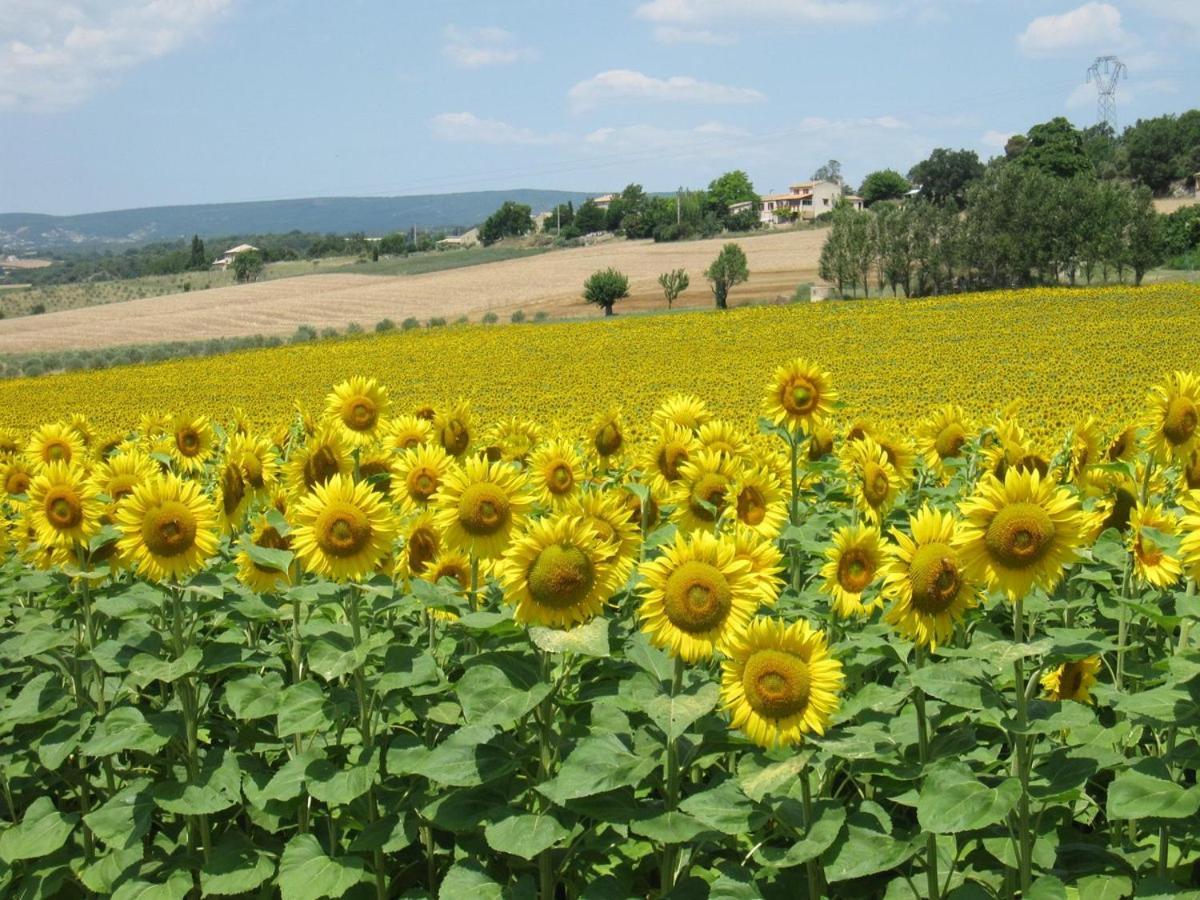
(831,171)
(605,287)
(589,217)
(1144,235)
(510,220)
(729,190)
(946,174)
(886,184)
(247,266)
(1056,148)
(199,259)
(673,284)
(727,270)
(560,217)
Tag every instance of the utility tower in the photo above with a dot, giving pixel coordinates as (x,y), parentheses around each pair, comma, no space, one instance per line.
(1105,72)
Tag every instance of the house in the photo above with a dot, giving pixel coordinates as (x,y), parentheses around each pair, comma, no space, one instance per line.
(225,261)
(454,242)
(740,207)
(804,202)
(604,201)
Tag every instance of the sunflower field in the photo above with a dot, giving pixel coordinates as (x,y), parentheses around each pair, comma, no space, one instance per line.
(386,649)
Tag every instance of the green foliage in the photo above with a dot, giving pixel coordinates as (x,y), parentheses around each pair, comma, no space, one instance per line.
(517,317)
(673,284)
(1163,149)
(946,175)
(247,266)
(198,260)
(726,271)
(1055,148)
(885,184)
(605,287)
(384,325)
(589,218)
(831,171)
(510,220)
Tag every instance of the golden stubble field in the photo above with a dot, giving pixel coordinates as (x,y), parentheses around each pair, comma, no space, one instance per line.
(551,282)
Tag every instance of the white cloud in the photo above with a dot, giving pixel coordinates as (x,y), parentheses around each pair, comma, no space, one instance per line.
(1092,26)
(673,34)
(55,55)
(801,12)
(626,84)
(995,140)
(478,47)
(468,128)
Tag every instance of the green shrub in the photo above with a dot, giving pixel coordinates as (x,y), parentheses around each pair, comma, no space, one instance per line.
(384,325)
(517,317)
(541,316)
(490,318)
(410,323)
(437,322)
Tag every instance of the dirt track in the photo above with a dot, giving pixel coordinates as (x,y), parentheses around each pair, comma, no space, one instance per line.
(550,282)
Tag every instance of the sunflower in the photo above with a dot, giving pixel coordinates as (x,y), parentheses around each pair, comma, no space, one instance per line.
(1123,445)
(514,439)
(233,497)
(79,423)
(479,505)
(422,543)
(57,442)
(871,478)
(696,596)
(557,573)
(899,453)
(118,475)
(1072,680)
(686,411)
(193,443)
(153,423)
(357,406)
(239,422)
(608,515)
(1010,449)
(1151,563)
(259,578)
(1172,418)
(16,475)
(779,682)
(342,530)
(720,436)
(853,564)
(672,446)
(1189,476)
(453,565)
(800,394)
(319,459)
(375,469)
(556,473)
(1085,451)
(756,499)
(765,559)
(63,506)
(925,580)
(168,528)
(820,441)
(258,459)
(452,428)
(608,433)
(1020,532)
(704,490)
(416,476)
(405,432)
(633,506)
(943,436)
(10,442)
(1189,547)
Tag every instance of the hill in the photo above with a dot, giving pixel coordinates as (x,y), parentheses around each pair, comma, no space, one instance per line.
(373,215)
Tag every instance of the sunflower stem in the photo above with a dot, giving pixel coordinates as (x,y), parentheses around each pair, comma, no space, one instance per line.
(189,704)
(1164,832)
(931,861)
(474,581)
(297,676)
(1024,846)
(545,719)
(811,867)
(90,625)
(352,598)
(670,854)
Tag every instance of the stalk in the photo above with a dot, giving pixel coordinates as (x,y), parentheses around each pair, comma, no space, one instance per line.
(670,854)
(545,719)
(1021,756)
(364,730)
(189,702)
(297,676)
(931,861)
(90,632)
(1164,832)
(810,867)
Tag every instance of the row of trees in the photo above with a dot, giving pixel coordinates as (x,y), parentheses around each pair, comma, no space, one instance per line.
(1019,227)
(606,286)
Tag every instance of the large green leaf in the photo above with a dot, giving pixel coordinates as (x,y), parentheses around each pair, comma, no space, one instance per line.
(758,780)
(589,639)
(466,758)
(525,835)
(669,828)
(235,867)
(146,668)
(467,880)
(673,715)
(337,785)
(1146,790)
(866,848)
(828,818)
(125,817)
(173,885)
(306,873)
(125,728)
(254,696)
(42,830)
(41,697)
(217,786)
(598,763)
(60,741)
(490,698)
(726,809)
(303,709)
(953,799)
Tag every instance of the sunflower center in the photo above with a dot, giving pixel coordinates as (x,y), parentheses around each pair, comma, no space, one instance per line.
(1019,535)
(799,396)
(320,467)
(669,460)
(561,576)
(1179,424)
(1071,680)
(422,484)
(710,488)
(1116,450)
(233,489)
(875,484)
(934,578)
(423,545)
(169,529)
(751,506)
(188,442)
(561,480)
(604,529)
(360,413)
(121,486)
(252,467)
(17,483)
(483,509)
(949,441)
(451,569)
(608,439)
(342,530)
(855,571)
(62,508)
(455,437)
(777,683)
(1148,552)
(697,597)
(1191,472)
(57,451)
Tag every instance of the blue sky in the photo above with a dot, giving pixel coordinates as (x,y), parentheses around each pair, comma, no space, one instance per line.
(108,104)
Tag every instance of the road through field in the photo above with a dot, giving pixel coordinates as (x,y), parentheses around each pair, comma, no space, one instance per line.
(551,282)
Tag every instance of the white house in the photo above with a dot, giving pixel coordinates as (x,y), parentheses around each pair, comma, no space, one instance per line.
(466,239)
(805,201)
(231,254)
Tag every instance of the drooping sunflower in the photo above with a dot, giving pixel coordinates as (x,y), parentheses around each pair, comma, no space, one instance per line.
(706,478)
(870,477)
(1151,563)
(899,453)
(556,473)
(317,460)
(453,428)
(118,475)
(1172,417)
(673,445)
(63,506)
(10,442)
(1072,680)
(1084,451)
(192,444)
(757,501)
(557,573)
(765,560)
(608,433)
(153,423)
(780,682)
(800,394)
(686,411)
(925,580)
(233,495)
(258,459)
(1189,475)
(416,476)
(168,528)
(820,441)
(82,427)
(405,432)
(513,439)
(1011,449)
(375,468)
(854,562)
(358,406)
(1189,547)
(16,475)
(1123,445)
(56,442)
(943,436)
(480,504)
(696,596)
(342,530)
(1020,532)
(259,578)
(422,543)
(608,516)
(721,436)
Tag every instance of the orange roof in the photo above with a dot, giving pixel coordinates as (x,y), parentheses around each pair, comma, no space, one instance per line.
(791,196)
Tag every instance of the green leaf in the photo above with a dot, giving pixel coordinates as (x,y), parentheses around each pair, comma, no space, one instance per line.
(828,818)
(1048,887)
(254,696)
(525,835)
(490,698)
(288,782)
(101,875)
(866,848)
(466,879)
(125,817)
(337,786)
(466,758)
(669,828)
(235,867)
(125,728)
(597,764)
(175,885)
(217,786)
(726,809)
(756,783)
(59,742)
(306,873)
(146,668)
(268,558)
(303,709)
(1147,791)
(673,715)
(590,639)
(43,830)
(953,799)
(41,698)
(958,684)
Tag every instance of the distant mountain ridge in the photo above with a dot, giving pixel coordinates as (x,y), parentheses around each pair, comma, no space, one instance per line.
(341,215)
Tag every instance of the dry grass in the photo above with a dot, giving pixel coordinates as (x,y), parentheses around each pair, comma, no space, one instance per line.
(1170,204)
(24,263)
(551,282)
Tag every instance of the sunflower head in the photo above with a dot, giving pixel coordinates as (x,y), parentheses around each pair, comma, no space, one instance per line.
(556,472)
(63,506)
(608,433)
(686,411)
(853,564)
(358,405)
(820,441)
(1172,417)
(480,504)
(799,395)
(452,427)
(406,432)
(417,474)
(317,460)
(1151,530)
(54,443)
(168,528)
(16,475)
(342,530)
(1072,680)
(192,443)
(259,578)
(704,490)
(757,500)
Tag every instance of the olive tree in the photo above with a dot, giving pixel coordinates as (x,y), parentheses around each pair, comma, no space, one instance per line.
(727,270)
(673,284)
(605,287)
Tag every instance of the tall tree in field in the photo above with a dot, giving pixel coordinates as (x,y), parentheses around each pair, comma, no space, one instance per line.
(605,287)
(1144,236)
(589,217)
(199,259)
(886,184)
(946,174)
(727,270)
(510,220)
(726,191)
(247,266)
(673,284)
(1056,148)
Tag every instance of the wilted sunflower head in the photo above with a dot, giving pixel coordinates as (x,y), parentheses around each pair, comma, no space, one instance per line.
(1172,417)
(452,427)
(608,433)
(800,394)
